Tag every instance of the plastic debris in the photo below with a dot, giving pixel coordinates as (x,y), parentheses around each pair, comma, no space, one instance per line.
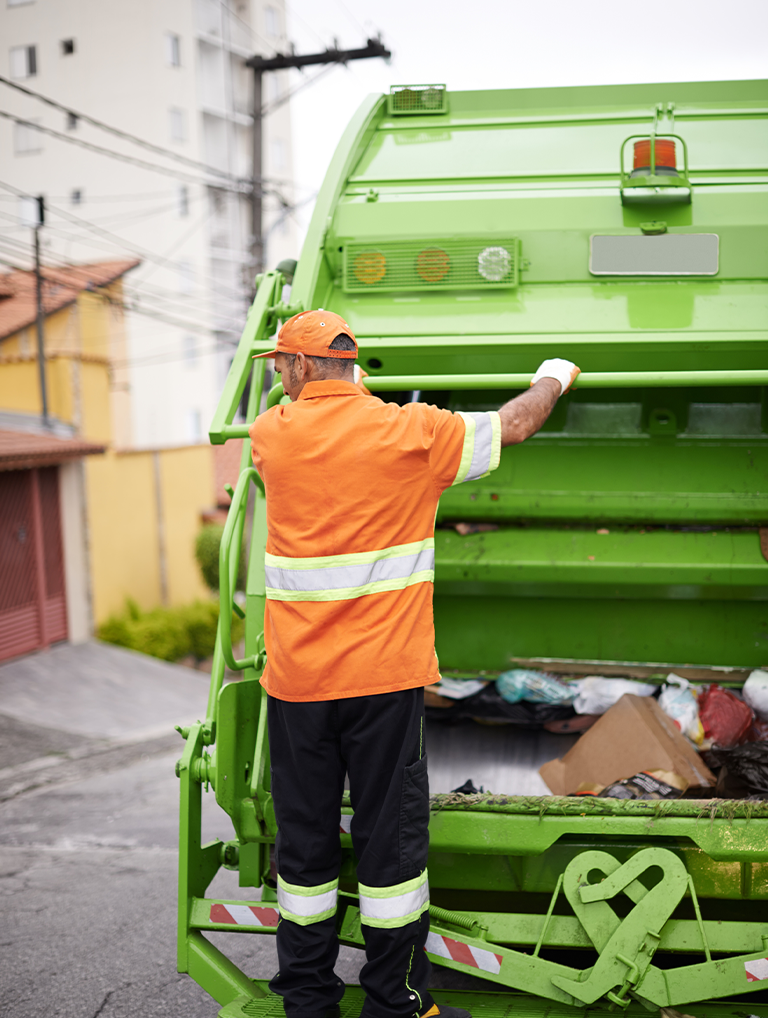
(726,718)
(467,788)
(594,694)
(743,771)
(679,701)
(646,785)
(457,689)
(755,693)
(534,687)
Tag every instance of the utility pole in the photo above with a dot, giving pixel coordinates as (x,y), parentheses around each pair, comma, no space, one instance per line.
(38,224)
(279,62)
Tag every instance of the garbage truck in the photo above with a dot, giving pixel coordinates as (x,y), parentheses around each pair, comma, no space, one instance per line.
(466,236)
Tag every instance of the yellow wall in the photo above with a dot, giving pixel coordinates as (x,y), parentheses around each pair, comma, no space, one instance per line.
(187,488)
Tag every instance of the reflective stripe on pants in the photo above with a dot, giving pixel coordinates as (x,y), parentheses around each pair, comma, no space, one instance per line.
(306,905)
(397,905)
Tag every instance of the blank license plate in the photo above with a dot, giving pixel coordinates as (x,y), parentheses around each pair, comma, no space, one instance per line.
(669,254)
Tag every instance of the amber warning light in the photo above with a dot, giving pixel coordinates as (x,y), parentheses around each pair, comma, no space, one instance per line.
(666,162)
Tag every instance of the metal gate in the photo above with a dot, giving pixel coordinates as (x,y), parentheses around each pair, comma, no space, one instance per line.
(33,611)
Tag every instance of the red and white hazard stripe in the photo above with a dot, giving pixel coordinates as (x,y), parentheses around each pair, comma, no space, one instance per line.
(756,970)
(244,915)
(345,823)
(455,950)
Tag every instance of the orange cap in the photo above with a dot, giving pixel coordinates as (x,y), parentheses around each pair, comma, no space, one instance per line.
(312,333)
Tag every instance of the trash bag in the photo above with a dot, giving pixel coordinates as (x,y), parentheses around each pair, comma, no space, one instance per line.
(725,718)
(468,788)
(755,692)
(489,707)
(679,701)
(743,771)
(596,694)
(645,785)
(534,686)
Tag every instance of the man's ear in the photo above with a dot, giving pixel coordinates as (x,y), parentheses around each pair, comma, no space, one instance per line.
(302,365)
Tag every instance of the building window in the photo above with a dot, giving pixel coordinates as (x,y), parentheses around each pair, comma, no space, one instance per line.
(26,139)
(193,426)
(182,195)
(271,21)
(76,197)
(67,47)
(72,119)
(178,125)
(190,351)
(172,49)
(186,278)
(23,61)
(278,154)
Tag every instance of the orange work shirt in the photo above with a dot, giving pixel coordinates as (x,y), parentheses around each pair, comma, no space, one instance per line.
(352,489)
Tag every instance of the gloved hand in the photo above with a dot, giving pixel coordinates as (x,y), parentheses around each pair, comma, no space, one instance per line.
(564,371)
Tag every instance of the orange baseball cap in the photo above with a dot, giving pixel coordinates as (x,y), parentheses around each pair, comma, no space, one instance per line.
(312,333)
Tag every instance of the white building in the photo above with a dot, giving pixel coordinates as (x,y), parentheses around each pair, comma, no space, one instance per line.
(170,72)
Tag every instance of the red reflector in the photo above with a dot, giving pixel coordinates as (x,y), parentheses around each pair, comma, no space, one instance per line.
(665,153)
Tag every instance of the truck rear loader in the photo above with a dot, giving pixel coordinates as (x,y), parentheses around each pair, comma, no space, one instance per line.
(467,236)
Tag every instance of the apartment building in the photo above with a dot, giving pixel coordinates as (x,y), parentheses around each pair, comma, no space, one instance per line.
(171,73)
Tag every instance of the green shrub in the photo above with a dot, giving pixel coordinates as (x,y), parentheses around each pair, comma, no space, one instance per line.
(207,547)
(168,633)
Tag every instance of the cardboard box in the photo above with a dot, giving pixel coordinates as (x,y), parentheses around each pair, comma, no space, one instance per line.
(634,735)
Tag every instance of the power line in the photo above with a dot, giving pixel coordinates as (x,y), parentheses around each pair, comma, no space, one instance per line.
(148,145)
(282,99)
(242,188)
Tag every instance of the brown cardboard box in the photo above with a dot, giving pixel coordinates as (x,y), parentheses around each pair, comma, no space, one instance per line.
(634,735)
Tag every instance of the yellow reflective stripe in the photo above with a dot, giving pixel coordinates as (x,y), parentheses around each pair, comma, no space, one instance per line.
(306,905)
(351,559)
(348,593)
(394,906)
(468,448)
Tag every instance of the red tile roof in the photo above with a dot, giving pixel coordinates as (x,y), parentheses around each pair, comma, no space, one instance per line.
(18,295)
(20,450)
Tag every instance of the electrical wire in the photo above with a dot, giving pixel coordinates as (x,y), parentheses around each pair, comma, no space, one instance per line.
(125,136)
(243,188)
(282,99)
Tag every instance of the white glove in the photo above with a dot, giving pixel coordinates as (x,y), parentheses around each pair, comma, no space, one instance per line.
(565,372)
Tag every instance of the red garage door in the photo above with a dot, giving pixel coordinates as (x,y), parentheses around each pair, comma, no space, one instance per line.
(33,610)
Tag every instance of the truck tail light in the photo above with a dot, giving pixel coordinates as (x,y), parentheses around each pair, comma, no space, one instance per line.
(370,267)
(433,264)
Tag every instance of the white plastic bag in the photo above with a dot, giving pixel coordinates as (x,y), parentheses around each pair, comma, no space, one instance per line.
(678,700)
(596,694)
(755,692)
(534,687)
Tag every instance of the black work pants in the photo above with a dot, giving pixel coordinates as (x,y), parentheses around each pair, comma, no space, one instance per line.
(379,742)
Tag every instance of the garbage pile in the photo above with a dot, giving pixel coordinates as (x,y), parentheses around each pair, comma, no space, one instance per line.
(641,740)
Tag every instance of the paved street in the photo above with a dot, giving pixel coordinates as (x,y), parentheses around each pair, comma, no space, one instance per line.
(88,833)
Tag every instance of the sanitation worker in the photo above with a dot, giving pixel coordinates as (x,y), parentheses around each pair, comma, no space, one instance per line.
(352,488)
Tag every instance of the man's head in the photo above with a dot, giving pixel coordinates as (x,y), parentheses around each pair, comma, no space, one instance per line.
(311,346)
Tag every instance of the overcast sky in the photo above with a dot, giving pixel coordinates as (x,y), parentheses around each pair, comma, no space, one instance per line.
(498,44)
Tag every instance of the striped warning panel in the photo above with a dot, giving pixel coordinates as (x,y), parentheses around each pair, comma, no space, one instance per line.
(465,954)
(243,915)
(756,970)
(345,823)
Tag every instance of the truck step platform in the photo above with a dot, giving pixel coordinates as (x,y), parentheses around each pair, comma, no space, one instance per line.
(482,1004)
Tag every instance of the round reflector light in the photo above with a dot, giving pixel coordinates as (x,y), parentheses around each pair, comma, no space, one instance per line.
(494,263)
(433,264)
(665,154)
(370,267)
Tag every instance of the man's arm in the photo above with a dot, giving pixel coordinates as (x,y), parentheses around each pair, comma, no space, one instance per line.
(522,416)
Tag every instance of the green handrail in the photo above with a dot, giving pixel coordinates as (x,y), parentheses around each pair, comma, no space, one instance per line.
(586,380)
(229,563)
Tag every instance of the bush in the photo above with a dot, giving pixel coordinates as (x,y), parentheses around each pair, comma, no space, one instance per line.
(207,554)
(168,633)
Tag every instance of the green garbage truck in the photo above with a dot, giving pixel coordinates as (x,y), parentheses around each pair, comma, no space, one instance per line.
(466,236)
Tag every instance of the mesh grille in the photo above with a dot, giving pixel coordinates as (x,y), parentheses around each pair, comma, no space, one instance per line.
(421,99)
(442,265)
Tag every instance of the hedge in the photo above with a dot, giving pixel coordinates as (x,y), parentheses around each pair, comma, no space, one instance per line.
(168,633)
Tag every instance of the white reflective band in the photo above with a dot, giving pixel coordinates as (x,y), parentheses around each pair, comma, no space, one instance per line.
(394,906)
(306,905)
(482,445)
(343,577)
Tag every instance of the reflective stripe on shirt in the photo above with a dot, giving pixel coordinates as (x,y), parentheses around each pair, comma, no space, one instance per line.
(396,905)
(343,577)
(306,905)
(482,445)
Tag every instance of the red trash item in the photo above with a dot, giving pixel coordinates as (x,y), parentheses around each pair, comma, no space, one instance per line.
(725,718)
